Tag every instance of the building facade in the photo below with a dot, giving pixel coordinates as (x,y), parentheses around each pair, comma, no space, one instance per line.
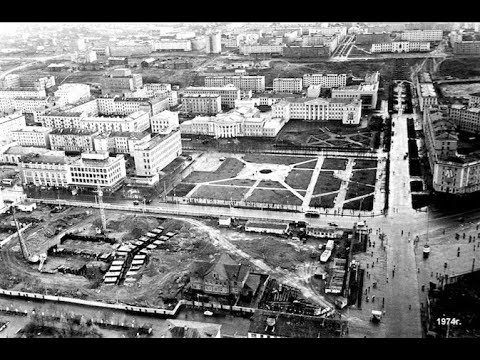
(228,94)
(45,170)
(254,83)
(11,123)
(325,80)
(290,85)
(164,122)
(422,35)
(201,104)
(73,140)
(37,136)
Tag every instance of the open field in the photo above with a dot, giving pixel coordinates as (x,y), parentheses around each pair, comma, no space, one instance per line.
(270,184)
(299,179)
(364,164)
(461,68)
(364,176)
(356,189)
(307,165)
(327,182)
(229,168)
(274,196)
(334,164)
(326,201)
(236,182)
(460,90)
(220,192)
(365,203)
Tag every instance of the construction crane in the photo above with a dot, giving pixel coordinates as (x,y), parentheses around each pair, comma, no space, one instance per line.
(102,210)
(26,254)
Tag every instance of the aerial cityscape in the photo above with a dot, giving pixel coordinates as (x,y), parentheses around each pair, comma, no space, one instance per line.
(240,180)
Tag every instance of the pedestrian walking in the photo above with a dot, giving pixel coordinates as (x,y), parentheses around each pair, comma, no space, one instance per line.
(393,273)
(369,289)
(377,260)
(373,265)
(367,266)
(409,233)
(402,232)
(409,307)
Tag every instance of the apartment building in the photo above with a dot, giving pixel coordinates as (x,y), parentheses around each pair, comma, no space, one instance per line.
(37,136)
(121,80)
(120,142)
(172,45)
(325,80)
(328,31)
(72,139)
(152,156)
(72,93)
(347,110)
(290,85)
(452,174)
(164,122)
(127,105)
(474,100)
(11,123)
(422,35)
(135,122)
(25,105)
(427,95)
(60,119)
(466,47)
(271,98)
(18,81)
(45,169)
(201,104)
(400,46)
(254,83)
(261,49)
(228,94)
(94,169)
(466,118)
(25,93)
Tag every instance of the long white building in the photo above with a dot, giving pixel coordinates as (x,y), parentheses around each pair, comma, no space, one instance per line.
(37,136)
(400,46)
(325,80)
(347,110)
(254,83)
(422,35)
(45,170)
(11,123)
(228,94)
(164,122)
(201,104)
(72,93)
(290,85)
(71,139)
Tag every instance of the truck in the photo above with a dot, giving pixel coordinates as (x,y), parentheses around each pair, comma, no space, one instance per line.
(330,245)
(325,256)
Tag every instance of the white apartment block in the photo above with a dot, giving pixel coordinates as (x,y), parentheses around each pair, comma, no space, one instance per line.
(228,94)
(71,139)
(120,142)
(422,35)
(72,93)
(328,31)
(400,46)
(135,122)
(290,85)
(158,87)
(367,93)
(24,104)
(325,80)
(427,95)
(349,111)
(152,156)
(255,83)
(164,122)
(45,170)
(201,104)
(11,123)
(37,136)
(261,49)
(60,120)
(245,121)
(172,45)
(23,94)
(97,169)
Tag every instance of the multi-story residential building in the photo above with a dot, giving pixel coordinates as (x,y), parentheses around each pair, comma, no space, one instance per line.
(452,173)
(10,123)
(214,44)
(245,121)
(201,104)
(114,61)
(72,93)
(160,87)
(367,91)
(128,105)
(221,277)
(474,100)
(120,81)
(72,139)
(129,50)
(400,46)
(466,47)
(254,83)
(328,31)
(61,119)
(120,142)
(25,105)
(290,85)
(261,49)
(466,118)
(325,80)
(95,169)
(152,156)
(135,122)
(164,122)
(269,99)
(427,95)
(23,93)
(18,81)
(46,169)
(228,94)
(347,110)
(172,45)
(37,136)
(422,35)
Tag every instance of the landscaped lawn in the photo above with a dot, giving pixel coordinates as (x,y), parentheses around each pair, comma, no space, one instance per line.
(229,168)
(334,164)
(236,182)
(356,189)
(364,164)
(416,185)
(326,201)
(326,182)
(274,159)
(270,184)
(364,176)
(366,204)
(299,179)
(274,196)
(220,192)
(181,190)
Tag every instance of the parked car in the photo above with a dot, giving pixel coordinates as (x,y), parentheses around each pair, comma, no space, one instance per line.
(136,202)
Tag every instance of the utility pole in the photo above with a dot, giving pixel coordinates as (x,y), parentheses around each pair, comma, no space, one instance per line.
(102,210)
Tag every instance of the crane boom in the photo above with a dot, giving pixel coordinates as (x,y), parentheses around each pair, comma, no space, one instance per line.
(102,210)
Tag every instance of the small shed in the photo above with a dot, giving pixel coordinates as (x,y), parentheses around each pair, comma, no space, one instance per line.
(27,206)
(224,221)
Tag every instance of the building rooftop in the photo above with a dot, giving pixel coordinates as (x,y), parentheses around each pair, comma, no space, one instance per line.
(36,129)
(192,329)
(276,95)
(46,158)
(267,225)
(129,134)
(72,131)
(295,326)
